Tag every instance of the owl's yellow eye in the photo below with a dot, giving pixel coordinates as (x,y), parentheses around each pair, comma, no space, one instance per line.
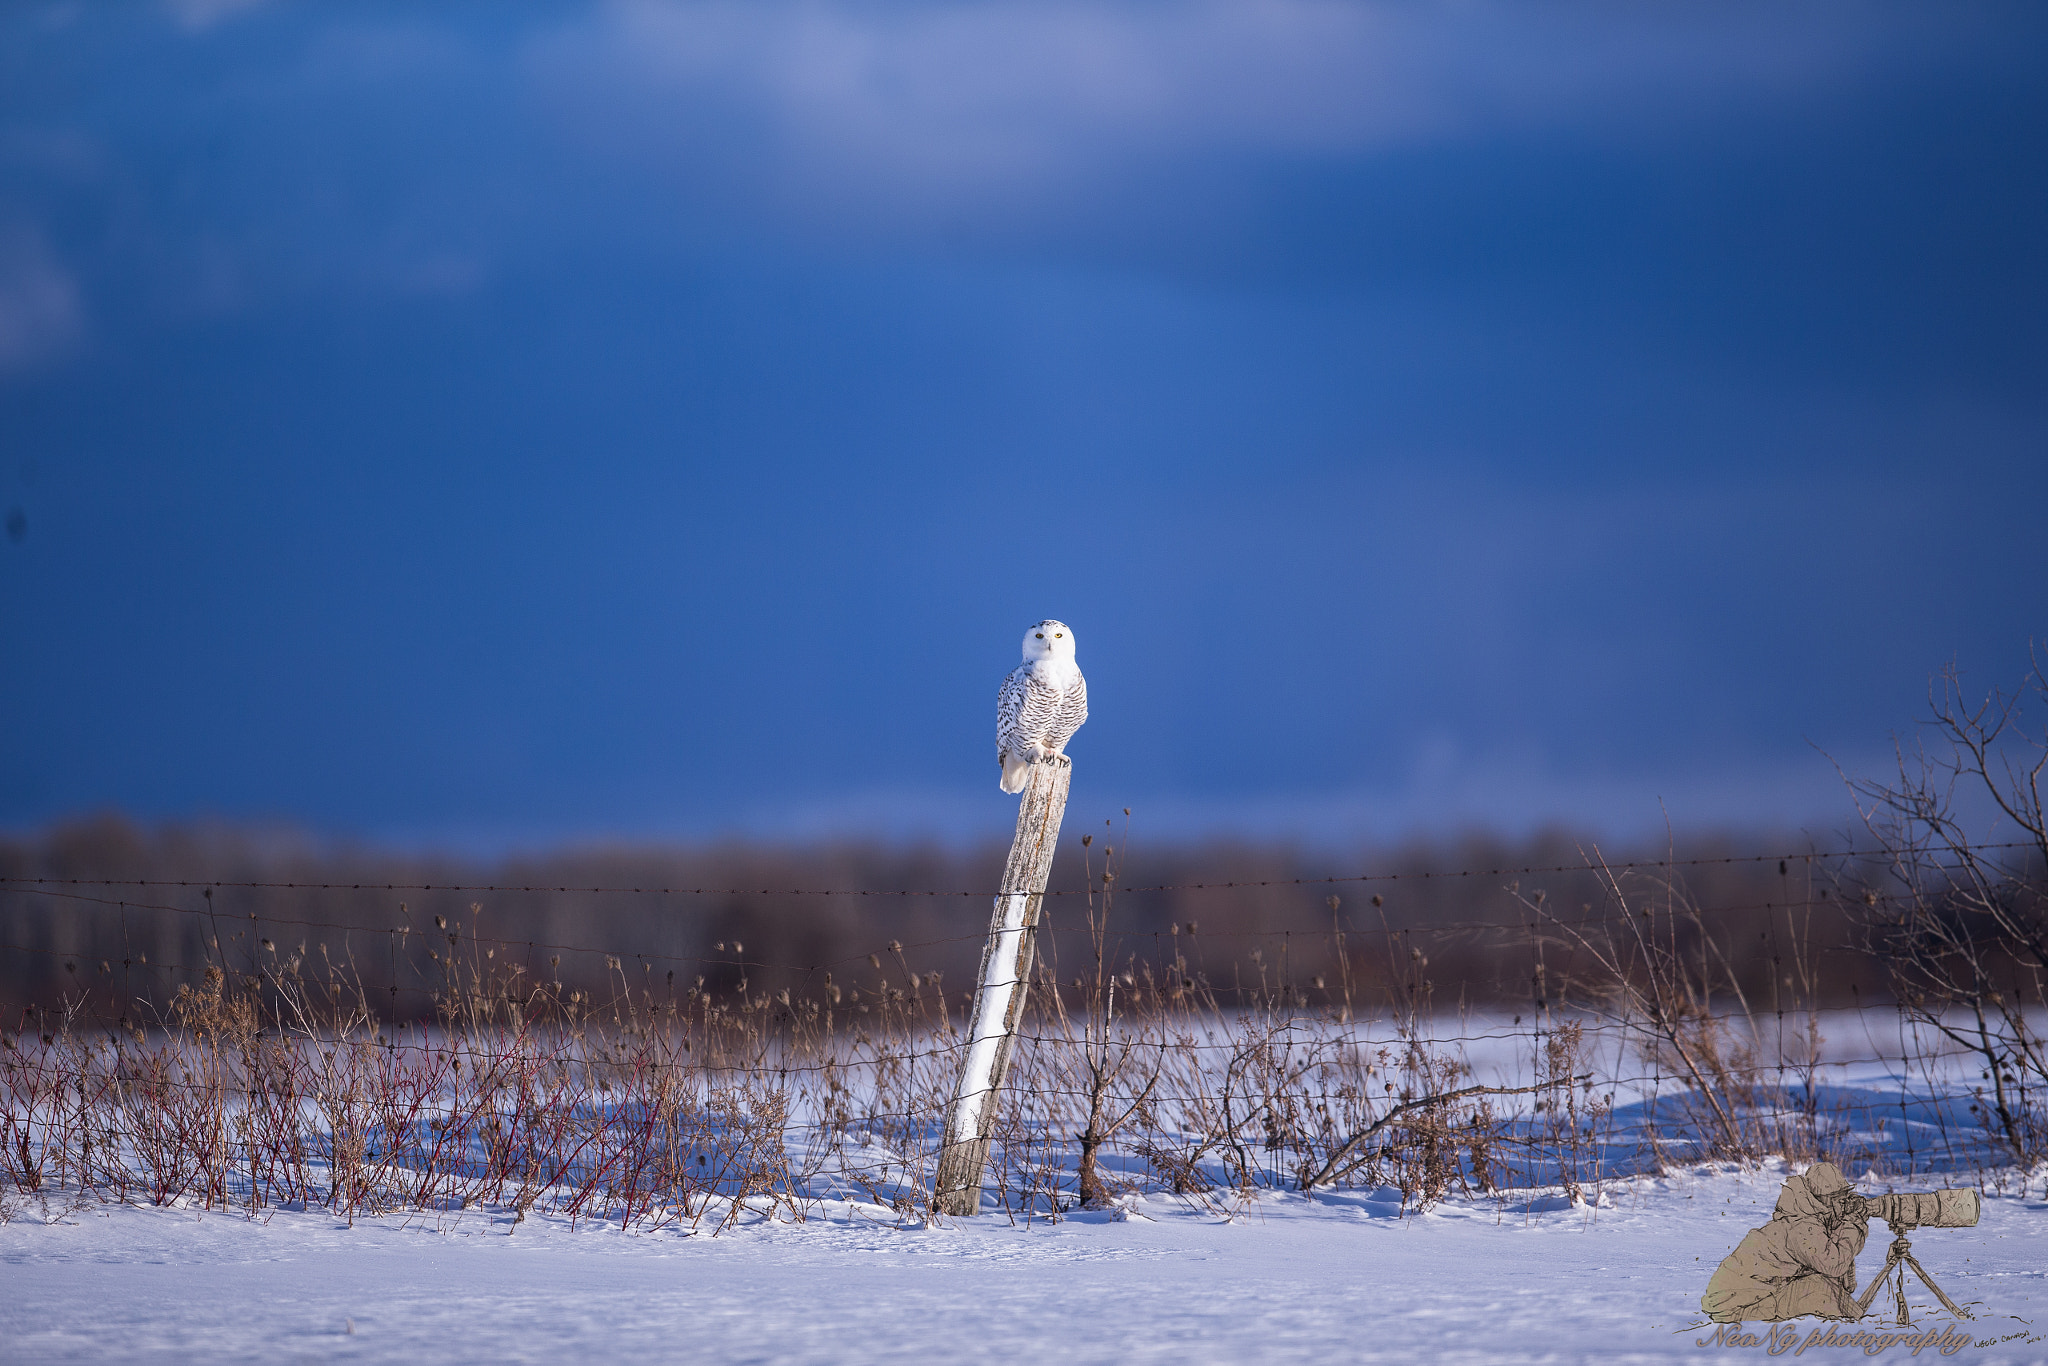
(1041,635)
(1059,635)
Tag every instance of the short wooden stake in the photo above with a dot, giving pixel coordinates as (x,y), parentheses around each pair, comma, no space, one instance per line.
(999,993)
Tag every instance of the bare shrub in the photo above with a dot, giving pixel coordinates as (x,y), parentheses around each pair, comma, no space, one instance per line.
(1210,1067)
(1658,969)
(1957,907)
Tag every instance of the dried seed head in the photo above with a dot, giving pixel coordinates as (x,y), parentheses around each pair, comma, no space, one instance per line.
(874,960)
(1376,900)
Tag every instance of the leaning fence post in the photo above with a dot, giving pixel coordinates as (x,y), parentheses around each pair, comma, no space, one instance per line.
(999,992)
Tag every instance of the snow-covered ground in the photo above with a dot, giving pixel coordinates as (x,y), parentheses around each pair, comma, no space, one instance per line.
(1347,1276)
(1343,1278)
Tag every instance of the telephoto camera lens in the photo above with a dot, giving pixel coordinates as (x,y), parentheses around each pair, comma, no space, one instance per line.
(1951,1208)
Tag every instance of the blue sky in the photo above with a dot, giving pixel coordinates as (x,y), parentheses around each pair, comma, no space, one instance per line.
(507,424)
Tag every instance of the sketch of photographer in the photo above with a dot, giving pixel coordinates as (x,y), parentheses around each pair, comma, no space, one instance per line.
(1803,1262)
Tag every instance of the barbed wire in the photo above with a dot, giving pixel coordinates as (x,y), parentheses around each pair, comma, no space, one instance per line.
(1540,919)
(1593,866)
(1157,1032)
(577,1084)
(596,1067)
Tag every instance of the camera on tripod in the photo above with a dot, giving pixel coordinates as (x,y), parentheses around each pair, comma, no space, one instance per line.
(1906,1211)
(1950,1208)
(1816,1231)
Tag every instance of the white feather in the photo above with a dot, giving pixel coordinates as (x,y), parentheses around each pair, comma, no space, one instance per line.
(1041,704)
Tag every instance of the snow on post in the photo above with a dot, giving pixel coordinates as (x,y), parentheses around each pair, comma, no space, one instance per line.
(999,991)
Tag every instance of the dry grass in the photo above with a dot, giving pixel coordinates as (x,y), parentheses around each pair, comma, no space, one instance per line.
(1198,1072)
(662,1103)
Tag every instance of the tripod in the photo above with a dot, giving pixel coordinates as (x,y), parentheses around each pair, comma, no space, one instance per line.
(1902,1251)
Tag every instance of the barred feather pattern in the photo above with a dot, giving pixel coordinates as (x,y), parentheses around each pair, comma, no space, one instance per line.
(1039,707)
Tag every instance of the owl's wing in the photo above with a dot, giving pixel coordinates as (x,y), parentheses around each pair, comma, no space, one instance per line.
(1010,704)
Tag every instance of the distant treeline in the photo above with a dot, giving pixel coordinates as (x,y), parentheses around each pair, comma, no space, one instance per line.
(1452,913)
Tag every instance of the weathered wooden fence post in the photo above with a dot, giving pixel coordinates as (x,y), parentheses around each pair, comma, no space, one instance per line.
(999,994)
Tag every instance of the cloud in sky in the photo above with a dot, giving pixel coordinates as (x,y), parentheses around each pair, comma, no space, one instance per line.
(893,113)
(1564,406)
(384,148)
(1004,85)
(204,14)
(40,313)
(843,120)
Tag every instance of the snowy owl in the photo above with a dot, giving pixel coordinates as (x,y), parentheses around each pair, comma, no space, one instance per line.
(1042,703)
